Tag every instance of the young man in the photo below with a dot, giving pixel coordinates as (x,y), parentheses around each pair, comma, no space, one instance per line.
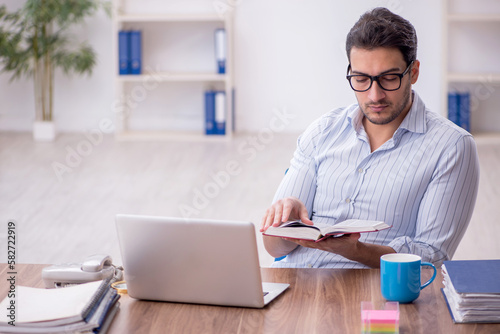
(385,158)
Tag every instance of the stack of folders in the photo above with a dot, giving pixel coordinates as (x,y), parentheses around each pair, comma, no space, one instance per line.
(84,308)
(472,290)
(215,112)
(130,52)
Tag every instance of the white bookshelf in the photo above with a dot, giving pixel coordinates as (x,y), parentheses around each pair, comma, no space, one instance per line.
(171,21)
(473,77)
(175,77)
(478,71)
(182,17)
(465,17)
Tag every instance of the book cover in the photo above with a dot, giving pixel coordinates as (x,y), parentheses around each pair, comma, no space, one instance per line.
(135,52)
(220,50)
(474,276)
(124,52)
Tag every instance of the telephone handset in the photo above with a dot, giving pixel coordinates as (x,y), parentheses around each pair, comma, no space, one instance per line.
(94,268)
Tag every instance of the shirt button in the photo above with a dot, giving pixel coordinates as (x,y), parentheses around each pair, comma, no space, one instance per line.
(360,170)
(309,265)
(348,200)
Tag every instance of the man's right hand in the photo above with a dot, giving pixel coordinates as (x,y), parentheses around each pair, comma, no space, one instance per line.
(289,208)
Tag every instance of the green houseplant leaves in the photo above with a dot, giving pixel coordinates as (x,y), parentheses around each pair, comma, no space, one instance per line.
(34,41)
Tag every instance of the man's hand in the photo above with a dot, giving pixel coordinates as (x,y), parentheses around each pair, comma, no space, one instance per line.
(285,209)
(343,245)
(349,247)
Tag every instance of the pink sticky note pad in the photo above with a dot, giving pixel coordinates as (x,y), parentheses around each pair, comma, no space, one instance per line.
(381,316)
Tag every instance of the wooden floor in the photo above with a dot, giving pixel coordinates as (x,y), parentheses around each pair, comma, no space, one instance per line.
(64,195)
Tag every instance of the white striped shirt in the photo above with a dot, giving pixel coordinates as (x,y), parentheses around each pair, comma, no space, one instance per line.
(423,182)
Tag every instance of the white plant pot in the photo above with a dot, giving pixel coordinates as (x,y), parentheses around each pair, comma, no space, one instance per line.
(44,131)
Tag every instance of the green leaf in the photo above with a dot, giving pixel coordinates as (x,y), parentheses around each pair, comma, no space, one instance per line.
(80,61)
(26,36)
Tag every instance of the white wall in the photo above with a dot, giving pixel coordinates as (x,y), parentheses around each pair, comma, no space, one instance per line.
(292,54)
(288,54)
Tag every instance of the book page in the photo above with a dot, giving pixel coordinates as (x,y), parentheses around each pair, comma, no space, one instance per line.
(298,223)
(294,229)
(355,226)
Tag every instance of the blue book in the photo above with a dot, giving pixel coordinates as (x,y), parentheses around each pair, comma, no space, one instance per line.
(220,113)
(453,113)
(135,52)
(210,113)
(124,52)
(464,110)
(220,50)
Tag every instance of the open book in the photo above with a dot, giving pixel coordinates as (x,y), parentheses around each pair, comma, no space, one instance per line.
(298,230)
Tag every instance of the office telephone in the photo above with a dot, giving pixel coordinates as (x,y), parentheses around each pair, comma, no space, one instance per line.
(94,268)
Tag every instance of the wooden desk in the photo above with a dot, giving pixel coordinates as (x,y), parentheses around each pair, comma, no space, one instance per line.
(318,301)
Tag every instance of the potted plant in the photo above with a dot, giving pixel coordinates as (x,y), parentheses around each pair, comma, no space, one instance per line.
(33,44)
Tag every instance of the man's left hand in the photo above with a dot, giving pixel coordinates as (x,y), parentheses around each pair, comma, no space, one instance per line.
(343,245)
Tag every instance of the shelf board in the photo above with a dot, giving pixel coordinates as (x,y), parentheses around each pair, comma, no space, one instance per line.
(210,17)
(173,77)
(169,136)
(474,18)
(474,77)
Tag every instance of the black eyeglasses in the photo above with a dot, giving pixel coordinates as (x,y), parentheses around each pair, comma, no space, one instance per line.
(388,81)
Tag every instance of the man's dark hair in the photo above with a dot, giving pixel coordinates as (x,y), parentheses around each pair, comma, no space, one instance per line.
(382,28)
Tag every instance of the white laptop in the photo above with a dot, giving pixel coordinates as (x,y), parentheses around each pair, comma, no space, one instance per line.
(193,261)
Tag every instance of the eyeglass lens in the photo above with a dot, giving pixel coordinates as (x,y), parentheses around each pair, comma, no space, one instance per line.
(387,82)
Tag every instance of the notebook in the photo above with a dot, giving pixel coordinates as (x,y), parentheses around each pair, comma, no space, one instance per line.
(193,261)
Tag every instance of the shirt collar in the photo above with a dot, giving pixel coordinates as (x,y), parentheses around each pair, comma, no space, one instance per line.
(355,117)
(415,120)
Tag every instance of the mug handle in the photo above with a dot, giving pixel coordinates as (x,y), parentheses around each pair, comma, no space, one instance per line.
(433,275)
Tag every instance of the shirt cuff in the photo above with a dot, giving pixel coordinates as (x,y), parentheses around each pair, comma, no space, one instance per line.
(401,245)
(425,251)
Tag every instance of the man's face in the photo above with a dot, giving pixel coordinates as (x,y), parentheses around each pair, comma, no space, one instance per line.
(380,106)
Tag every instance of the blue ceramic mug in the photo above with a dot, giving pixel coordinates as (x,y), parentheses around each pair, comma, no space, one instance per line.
(400,276)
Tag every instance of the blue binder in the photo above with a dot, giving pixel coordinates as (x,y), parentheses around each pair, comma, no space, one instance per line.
(220,112)
(210,113)
(220,50)
(464,110)
(135,52)
(474,276)
(453,101)
(124,52)
(476,284)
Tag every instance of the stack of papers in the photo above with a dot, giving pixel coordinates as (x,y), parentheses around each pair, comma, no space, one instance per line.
(81,308)
(472,290)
